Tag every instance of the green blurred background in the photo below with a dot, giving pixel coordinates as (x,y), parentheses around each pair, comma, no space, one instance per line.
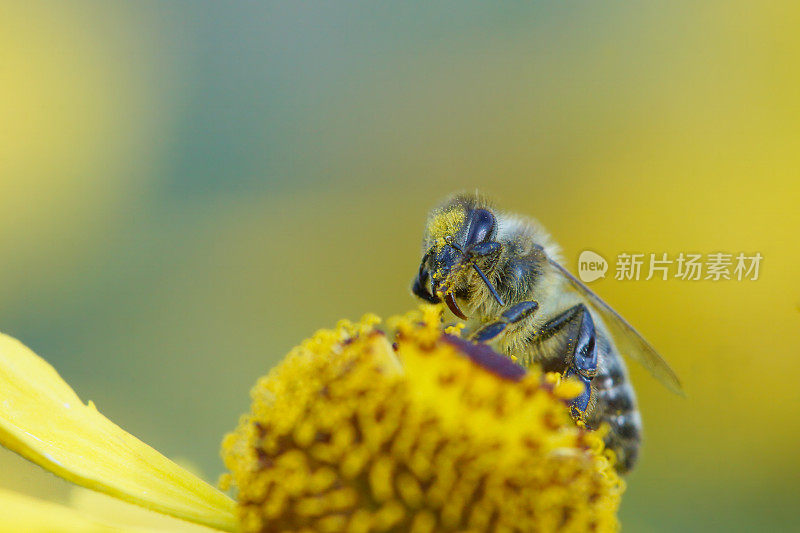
(188,189)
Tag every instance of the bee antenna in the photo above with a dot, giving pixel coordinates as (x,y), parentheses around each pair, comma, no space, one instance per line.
(456,246)
(460,250)
(488,284)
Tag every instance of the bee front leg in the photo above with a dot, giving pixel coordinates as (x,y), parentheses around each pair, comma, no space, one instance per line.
(576,327)
(512,315)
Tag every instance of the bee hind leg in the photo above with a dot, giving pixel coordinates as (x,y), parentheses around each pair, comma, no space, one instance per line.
(512,315)
(576,327)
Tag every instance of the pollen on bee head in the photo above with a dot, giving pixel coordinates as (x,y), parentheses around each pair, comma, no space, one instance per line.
(445,222)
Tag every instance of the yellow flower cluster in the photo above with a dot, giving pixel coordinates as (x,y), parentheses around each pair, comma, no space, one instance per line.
(357,430)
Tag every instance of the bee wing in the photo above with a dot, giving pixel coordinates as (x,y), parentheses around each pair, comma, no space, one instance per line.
(629,341)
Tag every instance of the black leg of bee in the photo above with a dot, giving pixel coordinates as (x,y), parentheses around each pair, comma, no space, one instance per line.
(512,315)
(420,288)
(581,352)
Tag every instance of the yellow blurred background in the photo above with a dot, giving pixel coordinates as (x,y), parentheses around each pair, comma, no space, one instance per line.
(188,189)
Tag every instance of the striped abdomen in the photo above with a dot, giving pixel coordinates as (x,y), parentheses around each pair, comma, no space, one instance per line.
(614,403)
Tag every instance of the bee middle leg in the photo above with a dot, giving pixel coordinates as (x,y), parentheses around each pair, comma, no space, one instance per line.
(512,315)
(575,328)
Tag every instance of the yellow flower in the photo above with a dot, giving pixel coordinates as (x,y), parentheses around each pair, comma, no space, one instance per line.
(433,433)
(356,430)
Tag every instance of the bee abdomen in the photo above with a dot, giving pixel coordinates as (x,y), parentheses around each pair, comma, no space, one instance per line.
(624,438)
(618,399)
(616,406)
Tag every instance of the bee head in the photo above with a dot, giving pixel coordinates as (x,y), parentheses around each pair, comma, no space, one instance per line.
(458,245)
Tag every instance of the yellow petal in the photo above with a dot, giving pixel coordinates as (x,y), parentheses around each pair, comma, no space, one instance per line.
(23,513)
(121,514)
(42,419)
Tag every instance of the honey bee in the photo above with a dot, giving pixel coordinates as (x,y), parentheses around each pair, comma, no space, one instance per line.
(502,274)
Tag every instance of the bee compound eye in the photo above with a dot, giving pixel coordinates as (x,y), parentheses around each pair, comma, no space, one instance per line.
(481,227)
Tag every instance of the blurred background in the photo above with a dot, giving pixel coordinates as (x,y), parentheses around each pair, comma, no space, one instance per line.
(188,189)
